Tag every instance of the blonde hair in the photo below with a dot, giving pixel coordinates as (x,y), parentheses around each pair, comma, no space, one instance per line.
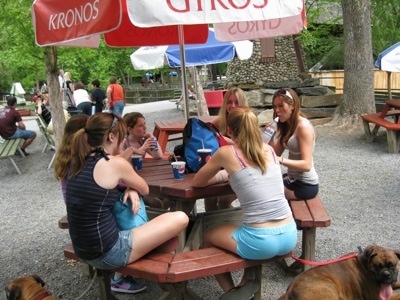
(247,135)
(67,76)
(223,114)
(91,138)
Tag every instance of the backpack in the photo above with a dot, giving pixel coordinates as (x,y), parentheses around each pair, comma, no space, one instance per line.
(196,135)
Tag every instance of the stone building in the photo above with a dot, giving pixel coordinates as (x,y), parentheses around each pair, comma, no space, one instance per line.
(272,60)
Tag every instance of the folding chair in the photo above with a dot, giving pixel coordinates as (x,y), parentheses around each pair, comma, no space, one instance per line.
(50,144)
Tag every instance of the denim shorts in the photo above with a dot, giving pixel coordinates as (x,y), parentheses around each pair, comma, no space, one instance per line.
(22,134)
(117,256)
(264,243)
(301,189)
(118,107)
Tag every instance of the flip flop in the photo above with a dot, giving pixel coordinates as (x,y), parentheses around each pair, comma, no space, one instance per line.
(242,292)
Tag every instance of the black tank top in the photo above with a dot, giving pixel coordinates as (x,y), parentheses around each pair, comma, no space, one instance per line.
(92,227)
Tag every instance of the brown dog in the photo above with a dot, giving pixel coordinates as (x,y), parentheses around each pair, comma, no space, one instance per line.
(368,276)
(28,288)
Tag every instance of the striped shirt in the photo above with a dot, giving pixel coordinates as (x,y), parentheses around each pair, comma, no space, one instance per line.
(92,227)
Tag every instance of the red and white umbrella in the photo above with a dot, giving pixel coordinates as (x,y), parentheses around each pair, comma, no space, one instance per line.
(130,23)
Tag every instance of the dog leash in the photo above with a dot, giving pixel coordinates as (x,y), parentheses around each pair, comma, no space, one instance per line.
(326,262)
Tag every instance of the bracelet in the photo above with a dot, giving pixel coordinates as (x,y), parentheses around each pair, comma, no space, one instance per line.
(281,162)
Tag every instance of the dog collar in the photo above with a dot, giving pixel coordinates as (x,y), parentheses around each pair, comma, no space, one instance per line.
(43,295)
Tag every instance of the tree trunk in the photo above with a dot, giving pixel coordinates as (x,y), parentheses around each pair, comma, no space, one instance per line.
(358,89)
(57,113)
(202,108)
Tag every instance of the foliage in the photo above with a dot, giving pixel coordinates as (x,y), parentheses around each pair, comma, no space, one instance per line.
(21,60)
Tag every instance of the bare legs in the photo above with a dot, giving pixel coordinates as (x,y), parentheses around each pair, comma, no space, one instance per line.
(27,142)
(222,237)
(156,232)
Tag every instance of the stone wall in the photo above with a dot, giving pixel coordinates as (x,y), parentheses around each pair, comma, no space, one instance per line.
(253,71)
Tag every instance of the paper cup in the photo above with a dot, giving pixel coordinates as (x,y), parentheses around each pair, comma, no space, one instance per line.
(178,168)
(137,162)
(204,156)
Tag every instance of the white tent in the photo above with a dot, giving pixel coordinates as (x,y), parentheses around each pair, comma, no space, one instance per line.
(18,91)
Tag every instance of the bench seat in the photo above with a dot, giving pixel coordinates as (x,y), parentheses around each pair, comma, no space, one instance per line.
(8,149)
(173,271)
(308,215)
(392,128)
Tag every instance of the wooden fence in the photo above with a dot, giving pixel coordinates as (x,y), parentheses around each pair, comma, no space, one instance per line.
(336,78)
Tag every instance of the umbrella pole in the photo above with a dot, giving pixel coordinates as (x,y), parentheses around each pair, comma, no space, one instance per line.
(183,67)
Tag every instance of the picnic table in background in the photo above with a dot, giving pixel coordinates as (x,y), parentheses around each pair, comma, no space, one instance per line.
(169,130)
(388,119)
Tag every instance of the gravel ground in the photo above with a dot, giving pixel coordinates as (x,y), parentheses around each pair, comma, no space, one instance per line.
(359,187)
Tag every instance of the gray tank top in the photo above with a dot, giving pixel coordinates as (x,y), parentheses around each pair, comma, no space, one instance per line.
(310,177)
(261,196)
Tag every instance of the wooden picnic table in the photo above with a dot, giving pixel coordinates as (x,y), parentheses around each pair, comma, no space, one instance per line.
(158,175)
(388,119)
(163,129)
(390,105)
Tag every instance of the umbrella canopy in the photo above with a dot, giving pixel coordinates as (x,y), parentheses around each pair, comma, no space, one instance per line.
(212,52)
(389,60)
(79,23)
(60,21)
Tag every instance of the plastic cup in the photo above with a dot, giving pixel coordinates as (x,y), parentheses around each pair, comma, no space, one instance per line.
(204,156)
(178,168)
(137,162)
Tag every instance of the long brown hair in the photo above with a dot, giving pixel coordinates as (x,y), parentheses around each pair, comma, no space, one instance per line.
(63,157)
(223,114)
(92,137)
(287,128)
(247,135)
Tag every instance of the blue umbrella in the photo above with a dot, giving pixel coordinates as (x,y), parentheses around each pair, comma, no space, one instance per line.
(212,52)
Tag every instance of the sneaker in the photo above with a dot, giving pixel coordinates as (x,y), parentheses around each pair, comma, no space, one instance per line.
(127,284)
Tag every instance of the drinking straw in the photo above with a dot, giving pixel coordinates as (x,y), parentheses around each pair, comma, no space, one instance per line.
(175,157)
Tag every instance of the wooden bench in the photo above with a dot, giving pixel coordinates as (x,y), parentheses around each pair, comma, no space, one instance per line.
(392,128)
(8,149)
(309,215)
(173,271)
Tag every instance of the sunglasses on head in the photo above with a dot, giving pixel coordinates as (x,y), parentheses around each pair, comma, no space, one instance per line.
(284,92)
(114,122)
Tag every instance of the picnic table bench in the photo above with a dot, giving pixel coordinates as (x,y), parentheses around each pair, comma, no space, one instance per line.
(309,215)
(172,271)
(388,119)
(8,149)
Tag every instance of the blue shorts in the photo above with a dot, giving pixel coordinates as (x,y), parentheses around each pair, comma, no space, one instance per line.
(301,189)
(117,256)
(264,243)
(118,107)
(22,134)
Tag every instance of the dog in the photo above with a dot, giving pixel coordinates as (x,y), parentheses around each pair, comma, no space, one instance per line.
(28,288)
(371,275)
